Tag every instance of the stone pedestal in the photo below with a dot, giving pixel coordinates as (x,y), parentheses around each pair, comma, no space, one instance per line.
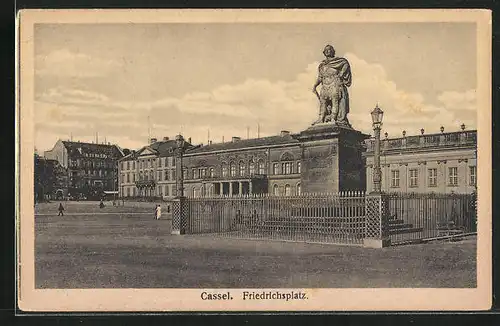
(331,159)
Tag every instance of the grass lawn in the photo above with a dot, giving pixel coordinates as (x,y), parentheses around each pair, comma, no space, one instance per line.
(127,248)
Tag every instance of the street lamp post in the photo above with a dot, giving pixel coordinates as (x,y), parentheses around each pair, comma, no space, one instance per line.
(377,116)
(180,142)
(179,211)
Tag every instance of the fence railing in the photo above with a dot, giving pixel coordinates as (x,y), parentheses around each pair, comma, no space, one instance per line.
(330,218)
(426,216)
(342,218)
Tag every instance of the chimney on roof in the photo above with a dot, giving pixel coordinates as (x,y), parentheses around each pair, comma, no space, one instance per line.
(284,133)
(165,138)
(153,140)
(236,139)
(189,140)
(209,142)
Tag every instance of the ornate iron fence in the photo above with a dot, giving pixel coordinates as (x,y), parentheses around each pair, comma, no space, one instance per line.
(324,218)
(414,217)
(344,218)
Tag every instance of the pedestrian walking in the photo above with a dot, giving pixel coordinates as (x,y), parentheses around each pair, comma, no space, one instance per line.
(158,212)
(101,204)
(60,209)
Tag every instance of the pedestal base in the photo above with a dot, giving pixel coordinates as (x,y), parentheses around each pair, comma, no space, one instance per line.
(331,159)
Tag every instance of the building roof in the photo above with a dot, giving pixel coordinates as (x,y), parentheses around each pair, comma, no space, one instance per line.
(80,149)
(160,148)
(245,143)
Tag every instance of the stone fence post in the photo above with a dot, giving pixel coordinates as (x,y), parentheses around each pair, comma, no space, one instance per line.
(180,215)
(377,221)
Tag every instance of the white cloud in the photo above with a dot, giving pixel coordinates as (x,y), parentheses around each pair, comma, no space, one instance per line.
(65,63)
(227,110)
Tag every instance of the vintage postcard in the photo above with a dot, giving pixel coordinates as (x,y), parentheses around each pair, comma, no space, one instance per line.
(254,160)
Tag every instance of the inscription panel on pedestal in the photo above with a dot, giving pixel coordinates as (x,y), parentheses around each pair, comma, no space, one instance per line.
(319,168)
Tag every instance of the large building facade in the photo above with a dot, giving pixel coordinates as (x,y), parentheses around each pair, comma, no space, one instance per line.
(441,163)
(91,167)
(149,172)
(240,167)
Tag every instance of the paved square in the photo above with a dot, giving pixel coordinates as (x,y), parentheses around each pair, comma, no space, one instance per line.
(124,247)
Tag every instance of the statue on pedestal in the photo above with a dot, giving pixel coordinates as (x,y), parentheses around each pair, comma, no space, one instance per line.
(334,75)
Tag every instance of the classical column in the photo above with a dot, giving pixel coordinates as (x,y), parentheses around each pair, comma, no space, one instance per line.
(221,188)
(230,188)
(250,187)
(240,184)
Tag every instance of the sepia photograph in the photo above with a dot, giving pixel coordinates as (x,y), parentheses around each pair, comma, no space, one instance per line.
(254,160)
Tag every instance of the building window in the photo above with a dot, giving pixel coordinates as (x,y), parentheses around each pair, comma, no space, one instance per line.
(195,192)
(128,192)
(472,175)
(287,190)
(262,167)
(286,168)
(432,177)
(140,175)
(151,175)
(251,168)
(298,189)
(275,168)
(413,178)
(212,173)
(395,178)
(202,172)
(128,165)
(173,175)
(232,167)
(166,191)
(185,174)
(159,175)
(123,165)
(453,176)
(298,167)
(224,170)
(128,177)
(133,177)
(242,168)
(276,190)
(167,175)
(195,173)
(133,164)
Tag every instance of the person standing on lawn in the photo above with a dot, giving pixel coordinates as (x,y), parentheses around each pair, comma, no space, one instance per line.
(60,209)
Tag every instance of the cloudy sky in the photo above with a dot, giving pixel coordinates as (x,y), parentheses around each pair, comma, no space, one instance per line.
(191,78)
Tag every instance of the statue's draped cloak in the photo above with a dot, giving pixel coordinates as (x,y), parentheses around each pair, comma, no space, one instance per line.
(344,70)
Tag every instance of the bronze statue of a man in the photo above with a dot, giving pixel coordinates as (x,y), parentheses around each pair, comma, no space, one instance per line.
(334,75)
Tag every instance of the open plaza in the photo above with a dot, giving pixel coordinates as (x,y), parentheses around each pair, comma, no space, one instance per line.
(125,247)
